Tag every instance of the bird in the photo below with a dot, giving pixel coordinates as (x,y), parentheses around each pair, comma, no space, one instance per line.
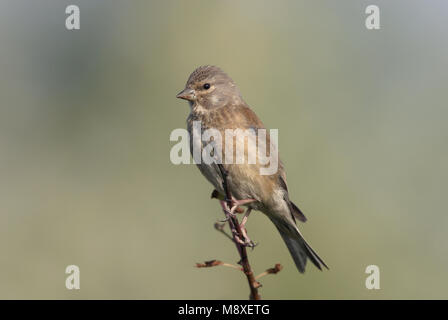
(216,102)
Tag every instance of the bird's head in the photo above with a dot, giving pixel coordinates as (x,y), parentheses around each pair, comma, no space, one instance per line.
(210,87)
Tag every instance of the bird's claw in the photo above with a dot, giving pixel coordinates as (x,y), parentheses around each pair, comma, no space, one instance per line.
(229,215)
(253,244)
(246,241)
(241,239)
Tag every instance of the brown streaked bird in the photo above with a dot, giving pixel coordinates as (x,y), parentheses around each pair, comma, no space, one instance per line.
(216,101)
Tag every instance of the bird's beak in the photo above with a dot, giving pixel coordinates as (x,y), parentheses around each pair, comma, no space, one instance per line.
(186,94)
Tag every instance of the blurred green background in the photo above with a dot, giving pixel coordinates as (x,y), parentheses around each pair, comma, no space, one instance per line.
(85,119)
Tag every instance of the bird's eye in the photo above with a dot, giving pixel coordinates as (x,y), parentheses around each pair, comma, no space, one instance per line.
(207,86)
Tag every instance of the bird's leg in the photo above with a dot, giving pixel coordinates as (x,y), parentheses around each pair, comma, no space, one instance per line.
(247,241)
(242,239)
(227,213)
(226,210)
(235,205)
(245,218)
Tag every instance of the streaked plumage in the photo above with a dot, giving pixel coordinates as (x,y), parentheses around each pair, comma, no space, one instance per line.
(221,107)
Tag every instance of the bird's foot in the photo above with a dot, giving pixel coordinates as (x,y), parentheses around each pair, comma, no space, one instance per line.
(240,237)
(246,241)
(216,195)
(228,213)
(237,203)
(235,207)
(243,238)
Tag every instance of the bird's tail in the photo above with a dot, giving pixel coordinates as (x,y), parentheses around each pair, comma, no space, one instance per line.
(300,250)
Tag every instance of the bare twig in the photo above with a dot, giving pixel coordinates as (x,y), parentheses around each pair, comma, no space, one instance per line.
(215,263)
(234,224)
(236,236)
(277,268)
(220,228)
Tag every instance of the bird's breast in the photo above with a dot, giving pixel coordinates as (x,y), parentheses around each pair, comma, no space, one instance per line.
(244,179)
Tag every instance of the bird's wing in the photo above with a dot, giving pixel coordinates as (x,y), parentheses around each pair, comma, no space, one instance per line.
(252,121)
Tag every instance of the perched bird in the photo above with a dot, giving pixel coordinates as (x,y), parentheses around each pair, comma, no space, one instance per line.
(217,103)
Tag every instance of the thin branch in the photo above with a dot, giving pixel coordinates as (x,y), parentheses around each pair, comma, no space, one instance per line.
(277,268)
(236,236)
(220,228)
(234,225)
(215,263)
